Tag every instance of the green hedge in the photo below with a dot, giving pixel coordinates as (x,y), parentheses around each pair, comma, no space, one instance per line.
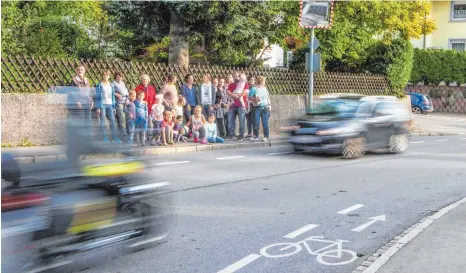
(433,66)
(394,60)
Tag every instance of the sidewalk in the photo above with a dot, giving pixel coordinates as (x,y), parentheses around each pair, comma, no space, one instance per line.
(439,248)
(39,154)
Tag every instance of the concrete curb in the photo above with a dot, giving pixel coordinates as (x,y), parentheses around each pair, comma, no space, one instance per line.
(154,151)
(433,134)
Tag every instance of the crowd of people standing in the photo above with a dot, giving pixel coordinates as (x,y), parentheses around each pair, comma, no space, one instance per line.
(203,113)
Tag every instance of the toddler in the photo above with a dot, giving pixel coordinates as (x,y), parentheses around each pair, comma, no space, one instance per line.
(167,128)
(157,119)
(211,130)
(141,117)
(197,122)
(130,111)
(178,130)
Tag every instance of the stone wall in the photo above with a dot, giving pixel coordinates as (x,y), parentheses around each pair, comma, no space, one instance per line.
(33,119)
(449,99)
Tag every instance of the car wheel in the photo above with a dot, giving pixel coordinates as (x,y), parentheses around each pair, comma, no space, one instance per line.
(354,148)
(417,110)
(398,143)
(297,148)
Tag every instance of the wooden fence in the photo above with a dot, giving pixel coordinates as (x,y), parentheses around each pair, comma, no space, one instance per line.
(36,75)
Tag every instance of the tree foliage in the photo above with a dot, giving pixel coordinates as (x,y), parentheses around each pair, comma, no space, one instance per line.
(433,66)
(394,60)
(52,28)
(358,25)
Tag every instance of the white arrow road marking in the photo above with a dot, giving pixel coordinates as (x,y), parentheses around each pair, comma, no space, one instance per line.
(370,223)
(171,163)
(229,157)
(241,263)
(284,153)
(350,209)
(441,140)
(300,231)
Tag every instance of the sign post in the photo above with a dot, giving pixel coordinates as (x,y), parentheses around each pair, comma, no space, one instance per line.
(315,14)
(311,70)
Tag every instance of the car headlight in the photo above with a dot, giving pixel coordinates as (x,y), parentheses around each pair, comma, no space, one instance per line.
(335,131)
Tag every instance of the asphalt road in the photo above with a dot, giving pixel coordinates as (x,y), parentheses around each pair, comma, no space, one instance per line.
(231,204)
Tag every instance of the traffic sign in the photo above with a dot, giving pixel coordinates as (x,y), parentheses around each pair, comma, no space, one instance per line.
(316,66)
(316,43)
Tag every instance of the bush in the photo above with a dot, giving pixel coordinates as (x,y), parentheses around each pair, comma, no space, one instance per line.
(433,66)
(394,60)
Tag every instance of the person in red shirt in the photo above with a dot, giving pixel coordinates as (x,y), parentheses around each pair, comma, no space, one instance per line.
(237,109)
(150,93)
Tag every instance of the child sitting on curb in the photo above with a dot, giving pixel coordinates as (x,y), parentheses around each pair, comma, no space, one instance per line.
(167,128)
(211,130)
(178,130)
(196,122)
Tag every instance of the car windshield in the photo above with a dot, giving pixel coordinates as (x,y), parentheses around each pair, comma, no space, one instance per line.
(338,108)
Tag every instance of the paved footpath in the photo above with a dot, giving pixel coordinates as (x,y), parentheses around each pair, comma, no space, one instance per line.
(439,248)
(442,122)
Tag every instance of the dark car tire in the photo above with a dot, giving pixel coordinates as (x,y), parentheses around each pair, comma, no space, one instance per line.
(398,143)
(417,110)
(354,148)
(296,148)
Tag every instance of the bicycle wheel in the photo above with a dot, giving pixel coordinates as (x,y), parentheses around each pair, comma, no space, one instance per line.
(287,249)
(347,256)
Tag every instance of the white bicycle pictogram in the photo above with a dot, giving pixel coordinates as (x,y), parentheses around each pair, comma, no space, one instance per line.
(325,255)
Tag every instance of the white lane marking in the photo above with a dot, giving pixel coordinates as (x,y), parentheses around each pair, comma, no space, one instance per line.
(463,138)
(375,266)
(241,263)
(441,140)
(229,157)
(416,142)
(171,163)
(284,153)
(350,209)
(372,221)
(300,231)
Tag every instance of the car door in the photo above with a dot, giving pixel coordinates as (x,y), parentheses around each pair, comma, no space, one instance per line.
(380,125)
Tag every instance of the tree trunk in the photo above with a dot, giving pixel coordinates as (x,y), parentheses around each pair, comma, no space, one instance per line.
(179,44)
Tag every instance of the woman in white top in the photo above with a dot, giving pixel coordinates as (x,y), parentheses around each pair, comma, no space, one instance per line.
(105,104)
(206,95)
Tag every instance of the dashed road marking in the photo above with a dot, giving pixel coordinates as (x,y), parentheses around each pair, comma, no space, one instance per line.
(416,142)
(300,231)
(171,163)
(284,153)
(240,264)
(230,157)
(350,209)
(441,140)
(463,138)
